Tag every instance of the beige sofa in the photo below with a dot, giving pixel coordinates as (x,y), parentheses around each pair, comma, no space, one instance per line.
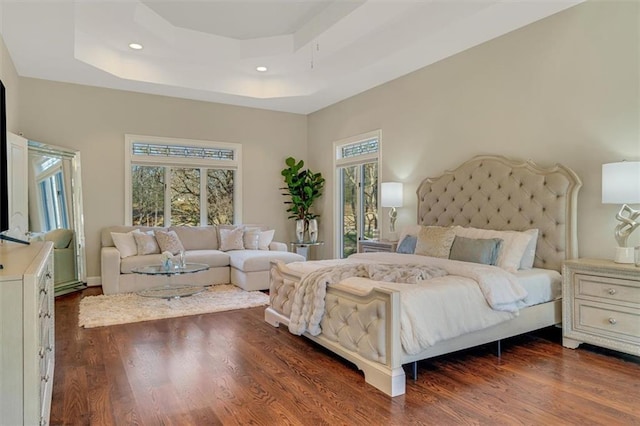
(248,269)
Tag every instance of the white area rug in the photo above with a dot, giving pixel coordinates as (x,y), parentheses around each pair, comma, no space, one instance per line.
(98,311)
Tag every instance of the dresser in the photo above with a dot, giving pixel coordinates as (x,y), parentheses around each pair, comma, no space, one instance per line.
(27,338)
(369,246)
(601,305)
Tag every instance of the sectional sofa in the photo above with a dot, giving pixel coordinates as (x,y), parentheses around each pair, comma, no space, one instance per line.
(246,268)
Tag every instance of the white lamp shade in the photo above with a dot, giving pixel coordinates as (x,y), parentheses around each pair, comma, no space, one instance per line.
(391,194)
(621,182)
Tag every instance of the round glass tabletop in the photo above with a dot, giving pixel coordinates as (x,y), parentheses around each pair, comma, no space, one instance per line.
(189,268)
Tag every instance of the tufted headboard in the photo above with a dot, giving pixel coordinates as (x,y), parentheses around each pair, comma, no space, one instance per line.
(493,192)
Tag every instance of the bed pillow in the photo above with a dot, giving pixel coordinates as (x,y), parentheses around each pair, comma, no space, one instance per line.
(169,241)
(251,238)
(265,239)
(231,239)
(407,244)
(482,250)
(514,244)
(146,243)
(435,241)
(529,255)
(125,243)
(411,230)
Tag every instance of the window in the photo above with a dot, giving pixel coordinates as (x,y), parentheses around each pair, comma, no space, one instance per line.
(356,163)
(181,182)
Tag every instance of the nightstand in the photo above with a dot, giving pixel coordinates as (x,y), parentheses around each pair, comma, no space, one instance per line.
(369,246)
(601,305)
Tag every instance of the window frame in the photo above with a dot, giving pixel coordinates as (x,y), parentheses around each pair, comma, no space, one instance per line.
(340,162)
(234,164)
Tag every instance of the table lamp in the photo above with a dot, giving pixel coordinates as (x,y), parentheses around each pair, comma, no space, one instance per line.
(391,196)
(621,185)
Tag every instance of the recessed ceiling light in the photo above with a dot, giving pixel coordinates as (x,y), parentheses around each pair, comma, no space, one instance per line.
(261,69)
(135,46)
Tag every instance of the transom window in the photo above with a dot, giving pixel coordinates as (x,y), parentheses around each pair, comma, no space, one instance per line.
(181,182)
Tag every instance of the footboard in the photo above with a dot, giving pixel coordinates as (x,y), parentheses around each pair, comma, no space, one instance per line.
(363,328)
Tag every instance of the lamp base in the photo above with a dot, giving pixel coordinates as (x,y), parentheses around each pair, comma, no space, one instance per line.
(624,255)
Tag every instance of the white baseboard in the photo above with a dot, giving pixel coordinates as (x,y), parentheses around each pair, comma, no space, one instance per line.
(94,281)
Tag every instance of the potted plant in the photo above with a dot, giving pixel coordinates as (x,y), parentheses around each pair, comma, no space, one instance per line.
(303,187)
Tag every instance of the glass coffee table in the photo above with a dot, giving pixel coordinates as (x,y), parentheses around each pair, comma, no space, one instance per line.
(171,291)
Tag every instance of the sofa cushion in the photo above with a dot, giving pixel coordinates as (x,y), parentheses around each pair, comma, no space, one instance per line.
(125,243)
(213,258)
(197,237)
(265,239)
(231,239)
(146,242)
(169,241)
(105,235)
(259,260)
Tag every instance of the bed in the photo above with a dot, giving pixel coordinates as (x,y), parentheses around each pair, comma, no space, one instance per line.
(364,320)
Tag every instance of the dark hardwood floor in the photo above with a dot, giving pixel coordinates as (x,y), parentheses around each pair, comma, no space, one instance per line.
(233,368)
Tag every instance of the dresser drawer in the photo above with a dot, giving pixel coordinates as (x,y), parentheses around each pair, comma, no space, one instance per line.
(614,289)
(608,320)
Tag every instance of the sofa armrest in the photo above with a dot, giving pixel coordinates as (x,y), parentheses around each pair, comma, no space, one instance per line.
(110,269)
(277,246)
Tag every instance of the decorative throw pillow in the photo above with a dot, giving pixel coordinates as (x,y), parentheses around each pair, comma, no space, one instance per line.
(125,243)
(514,244)
(265,239)
(146,242)
(529,255)
(483,251)
(251,238)
(411,230)
(231,239)
(169,241)
(435,241)
(407,245)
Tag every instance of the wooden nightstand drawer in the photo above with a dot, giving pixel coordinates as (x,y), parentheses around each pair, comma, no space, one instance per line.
(607,288)
(608,320)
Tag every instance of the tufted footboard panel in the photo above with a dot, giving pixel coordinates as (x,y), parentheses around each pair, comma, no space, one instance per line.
(357,326)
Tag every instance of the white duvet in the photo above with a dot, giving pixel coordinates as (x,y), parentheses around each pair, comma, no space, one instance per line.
(471,297)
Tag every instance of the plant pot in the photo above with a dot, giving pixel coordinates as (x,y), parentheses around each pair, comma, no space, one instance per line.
(300,230)
(313,230)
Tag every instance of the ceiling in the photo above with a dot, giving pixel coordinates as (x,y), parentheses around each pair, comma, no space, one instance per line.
(317,52)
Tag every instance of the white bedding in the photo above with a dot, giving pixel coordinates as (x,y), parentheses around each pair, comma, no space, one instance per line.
(542,285)
(444,307)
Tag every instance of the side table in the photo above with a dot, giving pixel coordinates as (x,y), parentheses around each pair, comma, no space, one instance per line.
(303,247)
(601,305)
(370,246)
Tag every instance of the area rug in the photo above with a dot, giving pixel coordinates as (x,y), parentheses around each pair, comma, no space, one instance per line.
(98,311)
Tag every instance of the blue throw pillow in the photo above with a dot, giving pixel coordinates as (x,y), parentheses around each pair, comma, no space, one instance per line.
(407,245)
(483,251)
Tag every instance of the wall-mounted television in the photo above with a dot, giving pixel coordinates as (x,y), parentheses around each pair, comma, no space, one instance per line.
(4,178)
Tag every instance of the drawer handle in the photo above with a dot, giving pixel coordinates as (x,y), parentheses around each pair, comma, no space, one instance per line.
(43,290)
(612,321)
(612,291)
(48,275)
(41,353)
(45,378)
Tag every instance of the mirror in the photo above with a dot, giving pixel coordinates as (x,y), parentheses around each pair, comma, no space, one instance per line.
(55,211)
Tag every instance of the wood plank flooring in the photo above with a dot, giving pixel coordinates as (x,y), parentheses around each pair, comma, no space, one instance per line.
(232,368)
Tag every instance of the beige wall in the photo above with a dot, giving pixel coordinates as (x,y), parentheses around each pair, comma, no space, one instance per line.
(10,79)
(564,89)
(95,120)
